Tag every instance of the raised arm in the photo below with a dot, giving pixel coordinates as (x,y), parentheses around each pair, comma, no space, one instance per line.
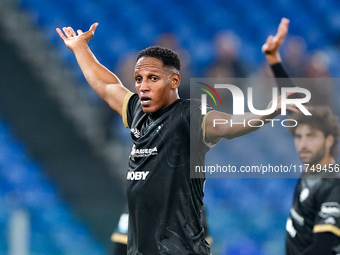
(271,51)
(216,130)
(105,83)
(273,43)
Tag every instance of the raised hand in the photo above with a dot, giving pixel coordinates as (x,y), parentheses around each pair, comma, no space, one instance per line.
(273,43)
(73,39)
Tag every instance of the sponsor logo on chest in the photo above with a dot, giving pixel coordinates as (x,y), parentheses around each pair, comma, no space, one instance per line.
(137,176)
(143,152)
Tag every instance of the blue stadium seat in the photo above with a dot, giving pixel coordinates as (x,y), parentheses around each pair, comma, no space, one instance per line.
(23,185)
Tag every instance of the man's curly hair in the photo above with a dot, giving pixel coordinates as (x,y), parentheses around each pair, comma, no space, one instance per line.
(322,119)
(167,56)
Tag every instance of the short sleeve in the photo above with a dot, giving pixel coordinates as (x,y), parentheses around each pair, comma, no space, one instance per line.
(328,216)
(129,105)
(198,121)
(204,124)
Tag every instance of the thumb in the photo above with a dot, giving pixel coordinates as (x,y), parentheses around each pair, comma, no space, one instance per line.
(94,27)
(265,48)
(269,39)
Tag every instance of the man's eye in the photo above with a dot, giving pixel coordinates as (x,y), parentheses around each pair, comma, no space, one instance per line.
(154,78)
(138,79)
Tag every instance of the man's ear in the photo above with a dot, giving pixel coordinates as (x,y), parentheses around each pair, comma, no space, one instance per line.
(329,141)
(175,80)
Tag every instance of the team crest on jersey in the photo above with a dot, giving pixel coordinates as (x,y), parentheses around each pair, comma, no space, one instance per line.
(135,132)
(304,194)
(330,209)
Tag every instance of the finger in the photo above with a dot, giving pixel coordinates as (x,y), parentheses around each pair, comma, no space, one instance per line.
(269,39)
(67,32)
(283,27)
(79,32)
(292,108)
(265,45)
(282,30)
(94,27)
(266,48)
(61,34)
(72,31)
(289,107)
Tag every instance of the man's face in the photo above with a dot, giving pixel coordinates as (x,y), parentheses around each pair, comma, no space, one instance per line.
(156,85)
(310,144)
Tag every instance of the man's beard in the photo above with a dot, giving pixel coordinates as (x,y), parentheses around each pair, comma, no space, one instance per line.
(317,157)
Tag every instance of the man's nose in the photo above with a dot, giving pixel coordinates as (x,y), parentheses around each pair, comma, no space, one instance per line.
(303,142)
(144,86)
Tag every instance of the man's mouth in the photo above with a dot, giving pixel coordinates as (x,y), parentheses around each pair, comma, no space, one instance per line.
(145,100)
(304,153)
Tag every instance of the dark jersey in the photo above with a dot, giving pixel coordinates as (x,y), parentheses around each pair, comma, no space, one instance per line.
(120,235)
(316,209)
(164,202)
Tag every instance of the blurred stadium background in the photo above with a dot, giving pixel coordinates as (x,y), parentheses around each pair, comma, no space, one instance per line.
(63,153)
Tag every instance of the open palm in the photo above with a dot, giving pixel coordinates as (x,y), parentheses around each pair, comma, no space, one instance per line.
(273,43)
(73,39)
